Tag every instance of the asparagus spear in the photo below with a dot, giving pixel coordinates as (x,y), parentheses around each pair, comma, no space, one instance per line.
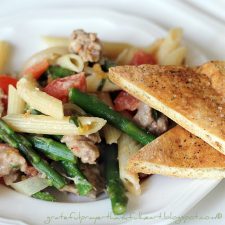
(53,176)
(82,184)
(44,196)
(58,72)
(53,149)
(59,152)
(25,148)
(91,104)
(115,188)
(4,137)
(16,141)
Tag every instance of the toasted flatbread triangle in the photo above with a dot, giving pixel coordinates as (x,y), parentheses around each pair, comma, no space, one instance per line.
(179,153)
(215,70)
(183,95)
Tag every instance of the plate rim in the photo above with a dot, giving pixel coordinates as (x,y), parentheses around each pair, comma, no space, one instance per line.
(144,22)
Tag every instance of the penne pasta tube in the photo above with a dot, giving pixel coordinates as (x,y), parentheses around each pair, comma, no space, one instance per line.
(16,104)
(39,100)
(95,83)
(41,124)
(125,56)
(126,147)
(175,57)
(154,47)
(30,185)
(113,49)
(110,86)
(171,42)
(111,134)
(72,62)
(52,41)
(110,49)
(5,49)
(50,54)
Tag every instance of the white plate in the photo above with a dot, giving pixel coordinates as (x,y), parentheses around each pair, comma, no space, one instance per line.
(163,197)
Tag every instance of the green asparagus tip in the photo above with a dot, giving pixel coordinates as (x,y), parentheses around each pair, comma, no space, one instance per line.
(119,209)
(45,196)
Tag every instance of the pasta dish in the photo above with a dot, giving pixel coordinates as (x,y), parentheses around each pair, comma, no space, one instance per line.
(65,126)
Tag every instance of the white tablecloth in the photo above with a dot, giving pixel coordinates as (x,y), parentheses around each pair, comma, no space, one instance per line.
(200,19)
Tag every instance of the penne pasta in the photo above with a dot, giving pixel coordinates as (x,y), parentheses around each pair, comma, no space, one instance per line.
(98,81)
(113,49)
(52,41)
(39,100)
(126,147)
(110,86)
(154,47)
(16,104)
(175,57)
(93,82)
(5,49)
(110,49)
(41,124)
(170,43)
(111,134)
(30,185)
(51,54)
(125,56)
(72,62)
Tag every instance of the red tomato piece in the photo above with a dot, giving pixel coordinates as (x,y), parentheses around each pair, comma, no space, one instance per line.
(141,57)
(38,69)
(5,81)
(59,88)
(124,101)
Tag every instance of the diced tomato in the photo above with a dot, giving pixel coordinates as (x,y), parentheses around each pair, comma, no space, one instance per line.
(5,81)
(141,57)
(59,88)
(38,69)
(127,114)
(124,101)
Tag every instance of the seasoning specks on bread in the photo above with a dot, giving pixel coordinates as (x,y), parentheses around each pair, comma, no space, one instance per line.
(182,94)
(179,153)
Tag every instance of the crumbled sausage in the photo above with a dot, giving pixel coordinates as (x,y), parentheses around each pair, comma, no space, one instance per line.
(10,160)
(159,126)
(86,45)
(144,118)
(82,147)
(94,176)
(94,137)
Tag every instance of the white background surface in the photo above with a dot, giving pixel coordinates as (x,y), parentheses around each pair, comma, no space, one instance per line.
(201,20)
